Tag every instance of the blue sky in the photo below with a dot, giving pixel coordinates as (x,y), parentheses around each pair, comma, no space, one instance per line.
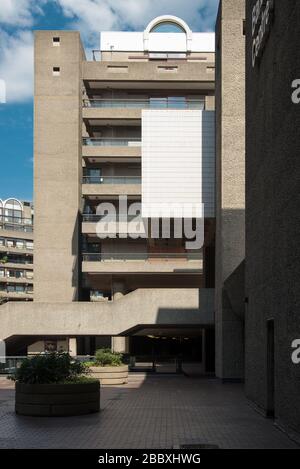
(18,20)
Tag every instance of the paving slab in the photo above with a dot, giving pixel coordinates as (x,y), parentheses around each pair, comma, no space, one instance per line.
(150,412)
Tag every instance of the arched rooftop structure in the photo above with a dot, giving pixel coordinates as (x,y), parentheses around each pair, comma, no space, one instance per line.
(167,24)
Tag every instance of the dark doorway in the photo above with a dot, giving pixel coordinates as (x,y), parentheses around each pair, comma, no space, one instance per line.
(210,350)
(189,348)
(270,369)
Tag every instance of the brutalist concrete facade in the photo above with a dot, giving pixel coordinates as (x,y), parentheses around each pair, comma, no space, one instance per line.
(230,184)
(272,210)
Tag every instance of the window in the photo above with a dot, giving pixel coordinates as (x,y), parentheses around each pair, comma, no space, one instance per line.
(167,27)
(56,41)
(167,69)
(93,176)
(244,27)
(56,71)
(20,244)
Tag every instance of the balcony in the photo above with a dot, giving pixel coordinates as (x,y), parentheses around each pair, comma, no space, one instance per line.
(111,180)
(16,280)
(16,294)
(7,248)
(112,142)
(160,103)
(111,185)
(142,262)
(94,218)
(23,225)
(10,261)
(151,103)
(145,75)
(131,109)
(119,225)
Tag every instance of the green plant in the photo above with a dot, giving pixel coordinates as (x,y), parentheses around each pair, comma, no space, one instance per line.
(48,369)
(3,260)
(105,357)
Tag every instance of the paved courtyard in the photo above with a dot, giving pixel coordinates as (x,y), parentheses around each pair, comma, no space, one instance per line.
(160,412)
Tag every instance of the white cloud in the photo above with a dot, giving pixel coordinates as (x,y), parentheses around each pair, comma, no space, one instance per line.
(19,12)
(92,16)
(88,16)
(16,65)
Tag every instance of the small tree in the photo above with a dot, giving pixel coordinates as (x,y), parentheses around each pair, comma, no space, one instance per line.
(105,357)
(49,369)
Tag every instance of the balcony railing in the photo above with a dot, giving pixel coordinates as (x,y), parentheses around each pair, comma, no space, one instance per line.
(16,224)
(15,276)
(145,103)
(7,259)
(144,256)
(94,218)
(17,290)
(112,142)
(111,180)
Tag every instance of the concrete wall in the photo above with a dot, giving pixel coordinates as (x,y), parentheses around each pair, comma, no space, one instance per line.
(141,307)
(57,165)
(273,216)
(230,180)
(142,72)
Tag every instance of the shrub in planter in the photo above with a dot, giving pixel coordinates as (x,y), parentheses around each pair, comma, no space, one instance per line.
(108,367)
(55,384)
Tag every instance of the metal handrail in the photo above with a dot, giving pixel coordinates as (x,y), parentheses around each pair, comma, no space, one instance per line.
(9,227)
(16,224)
(145,103)
(86,217)
(112,141)
(23,292)
(111,180)
(99,257)
(12,260)
(15,220)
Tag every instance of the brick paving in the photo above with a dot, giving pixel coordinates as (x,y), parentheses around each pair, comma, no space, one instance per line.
(160,412)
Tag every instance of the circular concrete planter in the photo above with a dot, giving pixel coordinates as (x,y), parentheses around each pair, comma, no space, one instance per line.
(49,400)
(110,374)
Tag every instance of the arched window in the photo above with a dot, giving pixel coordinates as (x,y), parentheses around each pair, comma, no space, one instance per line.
(167,27)
(13,210)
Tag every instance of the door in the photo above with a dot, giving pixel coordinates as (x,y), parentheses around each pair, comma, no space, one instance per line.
(270,369)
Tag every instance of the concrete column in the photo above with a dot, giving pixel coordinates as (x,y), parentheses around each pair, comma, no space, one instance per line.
(57,166)
(119,289)
(120,344)
(230,182)
(73,347)
(203,352)
(2,351)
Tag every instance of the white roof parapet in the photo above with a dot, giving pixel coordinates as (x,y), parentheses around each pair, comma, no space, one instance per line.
(147,41)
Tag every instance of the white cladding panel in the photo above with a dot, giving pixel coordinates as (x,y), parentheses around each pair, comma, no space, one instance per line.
(158,42)
(203,42)
(121,41)
(167,42)
(178,159)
